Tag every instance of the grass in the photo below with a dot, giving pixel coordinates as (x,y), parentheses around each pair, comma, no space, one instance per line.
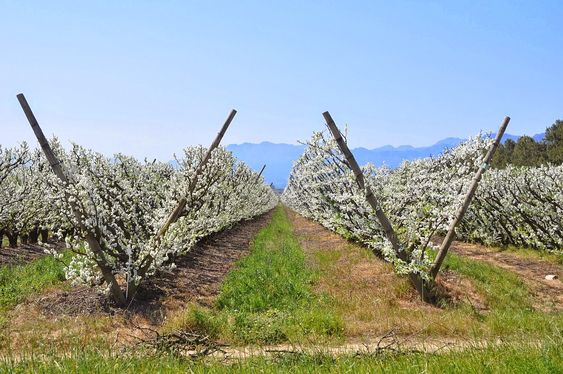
(268,298)
(324,291)
(374,300)
(553,256)
(17,282)
(511,310)
(494,359)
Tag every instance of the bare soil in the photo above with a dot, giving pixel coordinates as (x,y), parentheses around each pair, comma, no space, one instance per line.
(197,277)
(25,253)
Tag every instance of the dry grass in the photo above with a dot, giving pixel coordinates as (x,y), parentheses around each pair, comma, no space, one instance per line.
(372,299)
(32,329)
(34,332)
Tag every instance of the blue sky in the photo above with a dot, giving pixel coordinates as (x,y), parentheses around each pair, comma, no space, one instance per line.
(149,77)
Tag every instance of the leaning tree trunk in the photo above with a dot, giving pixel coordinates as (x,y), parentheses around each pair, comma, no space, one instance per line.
(179,209)
(1,238)
(425,289)
(450,236)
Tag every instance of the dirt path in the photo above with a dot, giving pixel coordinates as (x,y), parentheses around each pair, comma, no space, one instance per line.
(531,270)
(200,273)
(389,344)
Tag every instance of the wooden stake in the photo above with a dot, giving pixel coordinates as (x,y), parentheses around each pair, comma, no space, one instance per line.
(260,174)
(59,172)
(370,197)
(175,214)
(450,236)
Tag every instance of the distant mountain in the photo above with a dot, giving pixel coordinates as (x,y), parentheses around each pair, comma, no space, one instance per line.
(539,137)
(279,157)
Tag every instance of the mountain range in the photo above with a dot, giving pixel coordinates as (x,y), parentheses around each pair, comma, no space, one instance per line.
(279,158)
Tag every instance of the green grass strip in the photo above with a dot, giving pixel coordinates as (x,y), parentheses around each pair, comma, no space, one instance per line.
(268,297)
(18,282)
(511,310)
(495,359)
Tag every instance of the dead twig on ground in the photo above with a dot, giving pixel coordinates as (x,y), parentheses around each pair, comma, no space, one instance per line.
(183,343)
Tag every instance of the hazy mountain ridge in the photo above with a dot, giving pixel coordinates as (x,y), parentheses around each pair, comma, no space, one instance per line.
(279,157)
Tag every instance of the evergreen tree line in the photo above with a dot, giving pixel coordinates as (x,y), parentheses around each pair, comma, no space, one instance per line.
(528,152)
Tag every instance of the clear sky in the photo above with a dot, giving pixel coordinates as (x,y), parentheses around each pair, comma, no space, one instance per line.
(149,77)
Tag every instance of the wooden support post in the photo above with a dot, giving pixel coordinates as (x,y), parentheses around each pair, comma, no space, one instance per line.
(175,214)
(56,166)
(370,197)
(416,279)
(177,211)
(260,173)
(450,236)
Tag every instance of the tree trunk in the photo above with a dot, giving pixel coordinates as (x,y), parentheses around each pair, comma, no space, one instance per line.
(1,238)
(131,290)
(34,235)
(175,214)
(424,289)
(44,235)
(179,209)
(24,238)
(370,197)
(12,239)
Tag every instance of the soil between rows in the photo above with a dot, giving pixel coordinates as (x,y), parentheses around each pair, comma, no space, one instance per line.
(197,277)
(25,253)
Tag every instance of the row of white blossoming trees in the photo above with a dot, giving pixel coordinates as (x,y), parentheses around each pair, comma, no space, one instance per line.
(25,210)
(125,219)
(399,213)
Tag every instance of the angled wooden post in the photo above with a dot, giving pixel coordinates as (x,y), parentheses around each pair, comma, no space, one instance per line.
(59,172)
(260,173)
(175,214)
(450,236)
(179,208)
(417,281)
(370,197)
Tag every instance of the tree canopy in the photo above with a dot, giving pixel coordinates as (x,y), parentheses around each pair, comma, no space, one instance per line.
(528,152)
